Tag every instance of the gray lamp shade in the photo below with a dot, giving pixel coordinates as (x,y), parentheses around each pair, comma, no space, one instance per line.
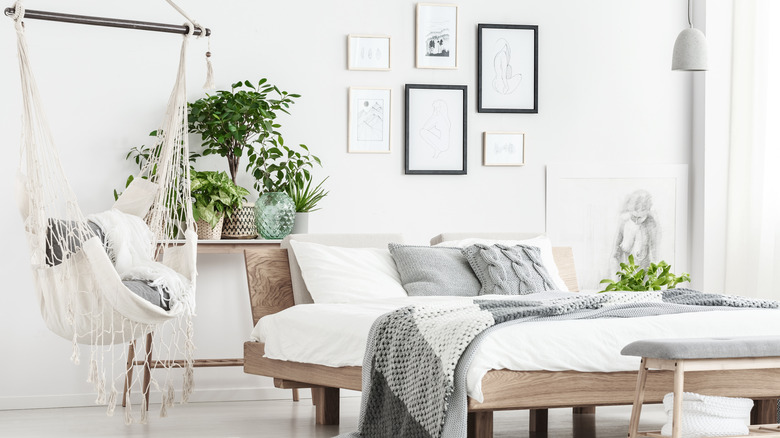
(690,51)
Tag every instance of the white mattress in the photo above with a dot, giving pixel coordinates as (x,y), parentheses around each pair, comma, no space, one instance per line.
(336,334)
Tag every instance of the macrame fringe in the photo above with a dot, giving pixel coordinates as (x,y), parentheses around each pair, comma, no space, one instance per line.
(111,401)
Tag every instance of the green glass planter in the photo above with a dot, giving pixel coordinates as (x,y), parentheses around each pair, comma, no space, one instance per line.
(274,215)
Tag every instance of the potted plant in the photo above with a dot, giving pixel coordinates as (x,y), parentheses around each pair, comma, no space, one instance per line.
(305,199)
(232,124)
(633,277)
(215,197)
(276,169)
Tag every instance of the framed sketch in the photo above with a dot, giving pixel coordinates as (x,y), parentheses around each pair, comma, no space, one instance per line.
(368,52)
(436,129)
(437,36)
(606,212)
(369,120)
(503,149)
(507,68)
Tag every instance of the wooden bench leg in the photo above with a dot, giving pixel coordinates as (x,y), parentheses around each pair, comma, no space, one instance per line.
(537,420)
(764,411)
(583,410)
(296,397)
(129,372)
(327,405)
(679,373)
(480,424)
(639,398)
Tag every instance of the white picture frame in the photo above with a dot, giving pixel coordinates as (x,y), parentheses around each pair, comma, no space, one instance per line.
(369,120)
(503,149)
(368,52)
(436,41)
(589,208)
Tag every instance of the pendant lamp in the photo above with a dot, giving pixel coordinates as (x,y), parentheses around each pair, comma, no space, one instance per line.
(690,48)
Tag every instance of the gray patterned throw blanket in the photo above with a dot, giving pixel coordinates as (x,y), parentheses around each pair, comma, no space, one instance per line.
(417,356)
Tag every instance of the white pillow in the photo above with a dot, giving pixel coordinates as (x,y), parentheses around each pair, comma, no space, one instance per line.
(542,242)
(342,275)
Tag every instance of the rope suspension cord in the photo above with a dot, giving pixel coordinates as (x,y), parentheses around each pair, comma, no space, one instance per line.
(113,22)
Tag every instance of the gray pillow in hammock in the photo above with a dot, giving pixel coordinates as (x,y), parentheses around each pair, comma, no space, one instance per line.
(74,236)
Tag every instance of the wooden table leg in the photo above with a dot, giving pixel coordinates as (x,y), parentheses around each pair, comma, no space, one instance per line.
(639,398)
(147,368)
(579,410)
(129,372)
(296,397)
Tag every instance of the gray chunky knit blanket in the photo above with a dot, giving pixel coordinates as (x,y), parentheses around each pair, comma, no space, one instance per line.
(417,356)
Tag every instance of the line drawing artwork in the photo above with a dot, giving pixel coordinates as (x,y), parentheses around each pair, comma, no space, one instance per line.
(437,41)
(370,119)
(436,130)
(504,81)
(505,148)
(638,233)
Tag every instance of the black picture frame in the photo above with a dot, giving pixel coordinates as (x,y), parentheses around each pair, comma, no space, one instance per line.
(503,85)
(435,132)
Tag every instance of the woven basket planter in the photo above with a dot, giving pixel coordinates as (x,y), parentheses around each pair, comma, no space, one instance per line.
(241,224)
(205,232)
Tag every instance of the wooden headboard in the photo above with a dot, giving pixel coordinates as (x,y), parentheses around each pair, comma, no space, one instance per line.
(270,284)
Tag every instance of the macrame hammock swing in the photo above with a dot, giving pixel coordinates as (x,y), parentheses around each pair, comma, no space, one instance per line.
(107,279)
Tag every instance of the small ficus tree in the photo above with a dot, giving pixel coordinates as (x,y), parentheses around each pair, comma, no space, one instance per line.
(232,122)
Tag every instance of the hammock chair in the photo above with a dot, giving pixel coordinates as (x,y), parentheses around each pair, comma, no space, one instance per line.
(91,273)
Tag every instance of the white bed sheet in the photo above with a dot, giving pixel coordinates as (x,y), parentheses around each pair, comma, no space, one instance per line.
(336,334)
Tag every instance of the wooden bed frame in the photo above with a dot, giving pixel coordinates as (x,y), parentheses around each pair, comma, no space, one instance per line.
(270,291)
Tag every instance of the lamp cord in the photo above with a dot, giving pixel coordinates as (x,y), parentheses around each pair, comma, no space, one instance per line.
(690,24)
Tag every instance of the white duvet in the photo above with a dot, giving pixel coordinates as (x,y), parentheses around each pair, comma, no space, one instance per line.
(336,334)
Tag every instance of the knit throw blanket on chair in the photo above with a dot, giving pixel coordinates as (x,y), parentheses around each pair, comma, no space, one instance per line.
(417,356)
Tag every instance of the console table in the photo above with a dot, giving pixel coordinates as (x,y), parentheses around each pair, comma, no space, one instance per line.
(223,246)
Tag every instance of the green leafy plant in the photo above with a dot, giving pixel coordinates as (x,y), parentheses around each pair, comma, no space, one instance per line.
(304,197)
(141,154)
(279,167)
(215,195)
(633,277)
(231,122)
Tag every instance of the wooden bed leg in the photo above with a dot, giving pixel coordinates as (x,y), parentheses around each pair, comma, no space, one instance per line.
(327,406)
(314,396)
(537,420)
(129,372)
(583,410)
(480,424)
(764,411)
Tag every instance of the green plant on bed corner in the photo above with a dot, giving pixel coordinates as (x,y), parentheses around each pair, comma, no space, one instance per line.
(633,277)
(304,197)
(214,196)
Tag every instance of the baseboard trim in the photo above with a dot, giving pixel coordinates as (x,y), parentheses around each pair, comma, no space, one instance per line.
(198,396)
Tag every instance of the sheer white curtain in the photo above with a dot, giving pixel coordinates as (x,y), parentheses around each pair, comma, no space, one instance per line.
(753,218)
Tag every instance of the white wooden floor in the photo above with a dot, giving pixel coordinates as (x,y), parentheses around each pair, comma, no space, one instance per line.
(284,418)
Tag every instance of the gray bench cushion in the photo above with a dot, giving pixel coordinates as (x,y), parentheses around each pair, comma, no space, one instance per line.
(705,348)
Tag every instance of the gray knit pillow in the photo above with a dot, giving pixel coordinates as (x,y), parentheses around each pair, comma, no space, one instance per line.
(434,271)
(508,270)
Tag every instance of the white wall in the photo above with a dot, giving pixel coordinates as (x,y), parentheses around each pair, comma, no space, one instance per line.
(606,95)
